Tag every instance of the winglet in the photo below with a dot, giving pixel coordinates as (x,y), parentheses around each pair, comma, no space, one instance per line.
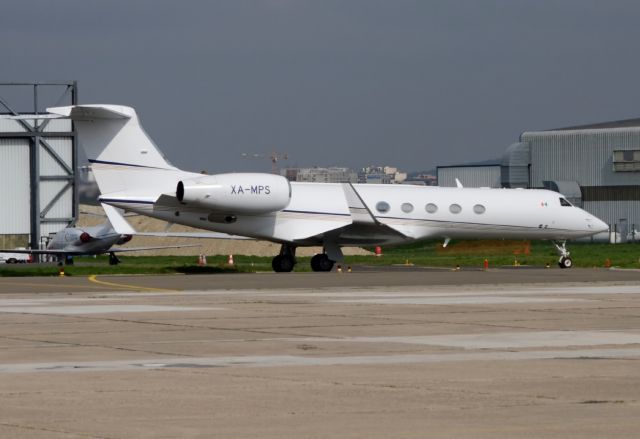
(120,225)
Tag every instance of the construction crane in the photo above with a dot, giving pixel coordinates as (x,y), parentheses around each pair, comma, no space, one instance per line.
(274,157)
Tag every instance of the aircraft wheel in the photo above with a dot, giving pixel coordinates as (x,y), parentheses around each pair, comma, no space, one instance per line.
(12,261)
(113,259)
(282,264)
(565,262)
(321,262)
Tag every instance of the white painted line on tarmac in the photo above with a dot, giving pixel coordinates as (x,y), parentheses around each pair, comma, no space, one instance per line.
(498,340)
(458,300)
(99,309)
(294,361)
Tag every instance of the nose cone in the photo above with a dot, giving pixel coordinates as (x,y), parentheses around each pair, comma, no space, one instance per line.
(596,225)
(601,225)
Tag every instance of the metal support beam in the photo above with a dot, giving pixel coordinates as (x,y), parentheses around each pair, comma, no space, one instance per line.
(42,135)
(37,140)
(47,208)
(47,147)
(56,178)
(34,189)
(55,220)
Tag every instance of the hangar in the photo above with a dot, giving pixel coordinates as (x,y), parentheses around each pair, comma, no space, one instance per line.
(597,167)
(38,159)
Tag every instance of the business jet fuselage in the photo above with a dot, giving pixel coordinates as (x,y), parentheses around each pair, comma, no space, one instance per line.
(132,174)
(91,240)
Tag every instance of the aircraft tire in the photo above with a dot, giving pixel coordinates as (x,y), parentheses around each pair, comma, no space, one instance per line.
(113,259)
(282,264)
(565,262)
(321,262)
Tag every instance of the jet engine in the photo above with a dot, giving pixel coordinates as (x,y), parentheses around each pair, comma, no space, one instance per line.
(85,237)
(124,239)
(236,193)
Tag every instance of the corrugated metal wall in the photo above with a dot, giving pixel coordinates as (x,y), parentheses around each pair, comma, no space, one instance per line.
(54,125)
(14,174)
(515,166)
(469,176)
(14,186)
(63,207)
(611,212)
(584,156)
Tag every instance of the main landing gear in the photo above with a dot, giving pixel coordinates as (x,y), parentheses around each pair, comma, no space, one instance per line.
(113,259)
(564,261)
(286,260)
(321,262)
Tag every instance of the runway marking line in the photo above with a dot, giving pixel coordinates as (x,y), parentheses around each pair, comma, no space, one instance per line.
(93,278)
(2,283)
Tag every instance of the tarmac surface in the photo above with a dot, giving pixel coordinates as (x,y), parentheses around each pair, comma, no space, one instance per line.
(402,353)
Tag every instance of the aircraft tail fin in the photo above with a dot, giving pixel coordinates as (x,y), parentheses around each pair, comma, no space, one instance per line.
(123,156)
(112,134)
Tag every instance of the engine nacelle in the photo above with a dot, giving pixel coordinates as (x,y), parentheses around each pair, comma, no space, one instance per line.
(124,239)
(236,193)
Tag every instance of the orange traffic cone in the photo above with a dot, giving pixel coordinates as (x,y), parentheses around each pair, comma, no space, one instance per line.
(230,260)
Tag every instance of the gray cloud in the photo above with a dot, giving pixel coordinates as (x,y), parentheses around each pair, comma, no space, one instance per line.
(411,83)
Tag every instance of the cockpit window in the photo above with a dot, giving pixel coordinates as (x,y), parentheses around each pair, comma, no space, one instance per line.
(564,202)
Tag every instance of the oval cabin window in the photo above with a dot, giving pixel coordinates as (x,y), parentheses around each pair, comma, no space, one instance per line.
(407,207)
(383,207)
(455,208)
(479,209)
(431,208)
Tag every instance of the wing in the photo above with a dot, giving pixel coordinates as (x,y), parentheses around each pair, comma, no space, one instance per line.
(121,225)
(139,249)
(199,235)
(37,252)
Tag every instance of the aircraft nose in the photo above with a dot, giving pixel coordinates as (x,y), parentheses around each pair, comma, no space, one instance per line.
(596,224)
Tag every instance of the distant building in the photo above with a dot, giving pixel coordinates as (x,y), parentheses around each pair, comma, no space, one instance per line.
(381,175)
(596,167)
(469,175)
(369,174)
(321,175)
(422,180)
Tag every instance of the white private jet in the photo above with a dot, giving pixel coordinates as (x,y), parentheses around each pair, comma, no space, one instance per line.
(93,240)
(134,175)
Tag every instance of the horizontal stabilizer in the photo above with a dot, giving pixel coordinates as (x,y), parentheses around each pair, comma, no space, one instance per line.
(92,112)
(120,225)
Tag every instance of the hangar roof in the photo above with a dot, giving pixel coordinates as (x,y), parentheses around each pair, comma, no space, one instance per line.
(625,123)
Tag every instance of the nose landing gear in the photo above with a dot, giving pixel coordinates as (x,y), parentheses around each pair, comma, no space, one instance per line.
(565,260)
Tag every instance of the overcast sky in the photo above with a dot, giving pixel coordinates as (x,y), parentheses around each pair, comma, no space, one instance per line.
(335,82)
